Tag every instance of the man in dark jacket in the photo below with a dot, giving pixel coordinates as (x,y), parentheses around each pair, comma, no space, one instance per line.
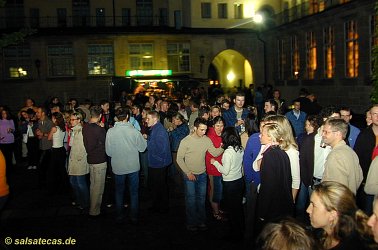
(159,158)
(94,135)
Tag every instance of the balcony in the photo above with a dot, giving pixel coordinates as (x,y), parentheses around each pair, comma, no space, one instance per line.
(82,21)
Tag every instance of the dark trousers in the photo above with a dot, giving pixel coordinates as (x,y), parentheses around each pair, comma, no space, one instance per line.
(233,197)
(159,188)
(32,145)
(43,164)
(250,213)
(57,177)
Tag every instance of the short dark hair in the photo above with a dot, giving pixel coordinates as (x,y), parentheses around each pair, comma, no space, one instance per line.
(123,113)
(199,121)
(326,112)
(273,103)
(95,111)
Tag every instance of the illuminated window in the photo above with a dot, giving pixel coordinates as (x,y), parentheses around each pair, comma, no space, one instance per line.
(178,57)
(238,11)
(311,54)
(329,52)
(141,56)
(100,59)
(206,10)
(60,60)
(351,49)
(281,59)
(222,10)
(295,62)
(17,62)
(316,6)
(373,38)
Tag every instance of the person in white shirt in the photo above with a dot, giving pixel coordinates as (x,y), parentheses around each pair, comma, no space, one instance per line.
(231,170)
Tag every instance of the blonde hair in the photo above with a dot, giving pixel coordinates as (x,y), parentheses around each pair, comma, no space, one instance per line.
(285,235)
(286,131)
(274,132)
(338,197)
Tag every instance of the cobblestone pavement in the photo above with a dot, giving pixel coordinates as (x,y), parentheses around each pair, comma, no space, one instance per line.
(34,215)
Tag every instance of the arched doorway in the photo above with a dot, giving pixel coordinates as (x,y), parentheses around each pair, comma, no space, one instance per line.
(231,69)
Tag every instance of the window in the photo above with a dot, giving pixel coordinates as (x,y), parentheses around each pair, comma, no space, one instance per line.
(144,12)
(206,10)
(100,17)
(373,40)
(80,13)
(311,54)
(329,52)
(316,6)
(281,59)
(222,10)
(178,57)
(351,49)
(62,17)
(126,17)
(17,62)
(163,17)
(295,62)
(238,11)
(141,56)
(60,60)
(34,18)
(100,59)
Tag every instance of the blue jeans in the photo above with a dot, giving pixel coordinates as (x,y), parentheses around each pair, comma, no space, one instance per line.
(133,184)
(195,198)
(143,156)
(80,187)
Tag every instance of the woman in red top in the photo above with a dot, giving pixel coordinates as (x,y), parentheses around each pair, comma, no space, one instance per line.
(215,178)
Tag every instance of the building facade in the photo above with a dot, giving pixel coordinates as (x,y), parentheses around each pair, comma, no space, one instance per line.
(79,47)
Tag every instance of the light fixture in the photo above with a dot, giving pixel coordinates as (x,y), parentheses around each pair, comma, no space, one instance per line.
(230,76)
(258,18)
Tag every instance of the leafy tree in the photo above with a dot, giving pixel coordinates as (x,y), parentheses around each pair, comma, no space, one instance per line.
(14,37)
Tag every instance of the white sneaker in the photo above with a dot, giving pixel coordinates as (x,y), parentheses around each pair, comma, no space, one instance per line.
(30,167)
(34,167)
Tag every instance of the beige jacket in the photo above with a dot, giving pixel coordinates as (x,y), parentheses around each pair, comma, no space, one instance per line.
(77,162)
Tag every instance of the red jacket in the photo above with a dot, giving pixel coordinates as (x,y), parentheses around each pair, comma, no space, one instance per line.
(217,140)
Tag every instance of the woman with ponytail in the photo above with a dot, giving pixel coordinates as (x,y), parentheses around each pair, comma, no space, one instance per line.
(333,209)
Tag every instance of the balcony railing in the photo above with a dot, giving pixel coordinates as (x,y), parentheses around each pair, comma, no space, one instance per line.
(83,21)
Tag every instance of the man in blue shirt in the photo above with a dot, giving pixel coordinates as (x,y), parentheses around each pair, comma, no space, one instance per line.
(353,131)
(297,118)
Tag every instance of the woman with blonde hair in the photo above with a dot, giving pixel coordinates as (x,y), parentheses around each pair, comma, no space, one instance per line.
(288,144)
(274,198)
(285,235)
(333,209)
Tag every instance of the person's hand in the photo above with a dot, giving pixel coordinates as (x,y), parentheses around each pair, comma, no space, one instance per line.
(101,124)
(240,122)
(145,136)
(212,160)
(191,177)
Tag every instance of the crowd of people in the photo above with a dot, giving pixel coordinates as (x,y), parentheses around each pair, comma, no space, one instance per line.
(282,176)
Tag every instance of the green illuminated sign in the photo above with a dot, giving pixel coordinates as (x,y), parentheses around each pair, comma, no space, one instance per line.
(153,72)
